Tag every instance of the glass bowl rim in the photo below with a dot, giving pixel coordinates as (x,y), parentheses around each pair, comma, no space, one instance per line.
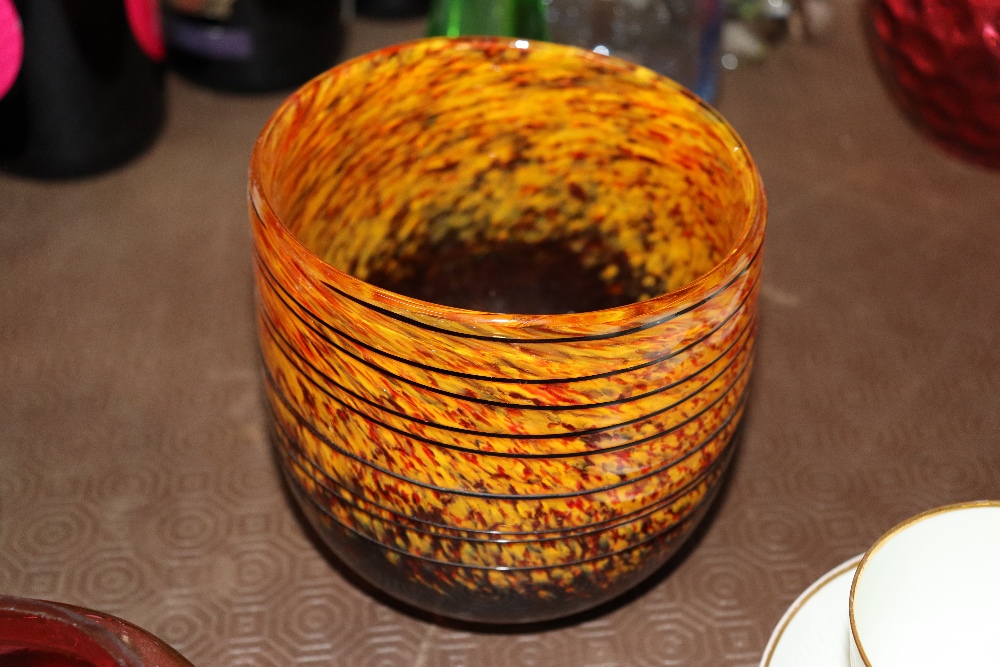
(624,317)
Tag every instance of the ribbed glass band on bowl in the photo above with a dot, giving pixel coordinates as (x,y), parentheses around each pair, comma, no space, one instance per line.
(458,471)
(644,495)
(540,551)
(474,459)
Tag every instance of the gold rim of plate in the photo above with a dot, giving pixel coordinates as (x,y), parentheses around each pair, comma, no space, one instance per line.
(792,612)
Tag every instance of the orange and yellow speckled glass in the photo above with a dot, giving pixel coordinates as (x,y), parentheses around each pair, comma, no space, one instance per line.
(479,463)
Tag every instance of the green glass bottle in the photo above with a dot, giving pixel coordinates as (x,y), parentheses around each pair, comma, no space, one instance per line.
(508,18)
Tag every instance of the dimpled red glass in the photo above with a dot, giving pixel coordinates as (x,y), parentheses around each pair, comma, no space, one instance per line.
(941,61)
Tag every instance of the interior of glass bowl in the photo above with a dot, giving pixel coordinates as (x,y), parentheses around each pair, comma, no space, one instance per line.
(486,176)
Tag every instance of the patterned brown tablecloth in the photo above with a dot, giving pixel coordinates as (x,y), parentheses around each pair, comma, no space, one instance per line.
(136,478)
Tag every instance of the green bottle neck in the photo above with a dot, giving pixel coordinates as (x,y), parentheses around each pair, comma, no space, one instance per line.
(508,18)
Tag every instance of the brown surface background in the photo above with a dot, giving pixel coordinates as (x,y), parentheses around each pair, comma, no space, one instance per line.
(135,476)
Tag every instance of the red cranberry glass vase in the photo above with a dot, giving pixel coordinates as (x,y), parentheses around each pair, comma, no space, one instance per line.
(941,60)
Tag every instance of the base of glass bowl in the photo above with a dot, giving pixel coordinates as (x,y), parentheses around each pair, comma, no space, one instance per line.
(501,596)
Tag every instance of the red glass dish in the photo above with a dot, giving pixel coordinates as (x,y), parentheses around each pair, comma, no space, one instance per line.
(35,633)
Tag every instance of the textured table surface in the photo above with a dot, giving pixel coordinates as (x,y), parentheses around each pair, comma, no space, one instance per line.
(136,477)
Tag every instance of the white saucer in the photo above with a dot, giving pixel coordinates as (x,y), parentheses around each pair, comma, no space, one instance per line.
(815,631)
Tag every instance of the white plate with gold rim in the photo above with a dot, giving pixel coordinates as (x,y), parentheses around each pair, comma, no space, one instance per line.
(816,629)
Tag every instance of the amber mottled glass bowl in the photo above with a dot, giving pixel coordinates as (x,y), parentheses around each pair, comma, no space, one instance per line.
(506,296)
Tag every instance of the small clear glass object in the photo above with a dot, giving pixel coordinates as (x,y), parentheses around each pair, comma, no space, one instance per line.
(677,38)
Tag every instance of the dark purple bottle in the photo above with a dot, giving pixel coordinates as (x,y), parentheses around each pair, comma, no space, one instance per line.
(393,8)
(252,45)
